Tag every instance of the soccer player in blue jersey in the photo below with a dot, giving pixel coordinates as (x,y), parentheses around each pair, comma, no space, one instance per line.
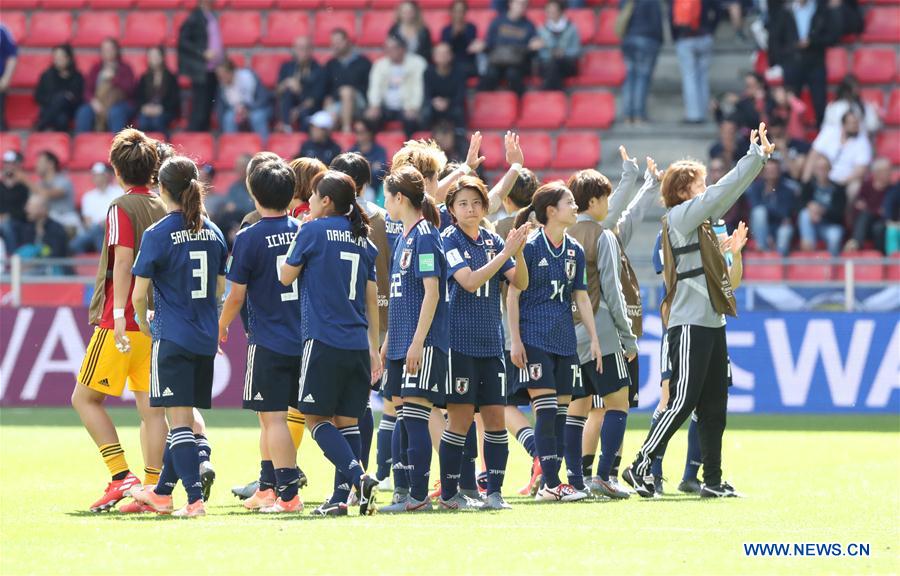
(418,339)
(273,329)
(477,260)
(543,330)
(184,255)
(336,259)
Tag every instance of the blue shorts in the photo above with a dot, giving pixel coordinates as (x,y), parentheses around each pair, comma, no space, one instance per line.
(618,372)
(431,382)
(178,377)
(271,381)
(477,381)
(333,382)
(547,370)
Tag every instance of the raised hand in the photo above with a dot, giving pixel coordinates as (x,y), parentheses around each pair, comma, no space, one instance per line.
(473,160)
(651,167)
(739,237)
(767,147)
(624,154)
(514,153)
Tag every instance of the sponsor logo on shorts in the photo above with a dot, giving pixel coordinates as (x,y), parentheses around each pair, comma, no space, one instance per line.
(104,382)
(461,385)
(167,392)
(535,371)
(258,396)
(309,398)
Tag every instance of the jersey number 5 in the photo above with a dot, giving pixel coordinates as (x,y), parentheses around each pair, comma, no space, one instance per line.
(353,258)
(293,293)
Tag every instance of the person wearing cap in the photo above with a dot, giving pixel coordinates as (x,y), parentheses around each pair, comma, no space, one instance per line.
(397,86)
(94,208)
(14,189)
(320,144)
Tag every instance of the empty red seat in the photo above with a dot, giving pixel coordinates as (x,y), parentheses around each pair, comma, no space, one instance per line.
(63,4)
(538,149)
(814,267)
(239,28)
(602,68)
(195,145)
(837,64)
(392,141)
(375,27)
(873,65)
(882,25)
(21,111)
(56,142)
(436,21)
(592,110)
(889,146)
(494,110)
(329,21)
(764,266)
(286,145)
(299,3)
(493,152)
(19,4)
(606,30)
(95,27)
(892,115)
(89,148)
(49,29)
(576,151)
(231,146)
(542,110)
(868,266)
(284,27)
(482,20)
(222,181)
(85,61)
(137,61)
(435,4)
(873,96)
(250,4)
(892,274)
(15,22)
(267,65)
(29,68)
(111,4)
(82,182)
(144,28)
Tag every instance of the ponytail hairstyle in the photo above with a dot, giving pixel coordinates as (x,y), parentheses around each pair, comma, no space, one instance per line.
(164,151)
(545,197)
(410,182)
(342,190)
(180,180)
(586,185)
(523,188)
(467,183)
(272,183)
(354,165)
(678,179)
(305,169)
(134,157)
(425,156)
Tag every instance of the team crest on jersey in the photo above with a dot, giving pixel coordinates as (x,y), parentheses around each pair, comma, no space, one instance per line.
(570,269)
(488,242)
(405,259)
(461,385)
(570,252)
(490,254)
(535,371)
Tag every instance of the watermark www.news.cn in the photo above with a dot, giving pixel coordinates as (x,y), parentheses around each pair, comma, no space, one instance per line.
(813,549)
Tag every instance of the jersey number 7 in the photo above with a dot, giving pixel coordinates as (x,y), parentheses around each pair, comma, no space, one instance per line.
(353,258)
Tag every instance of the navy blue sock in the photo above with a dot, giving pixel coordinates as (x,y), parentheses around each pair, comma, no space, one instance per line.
(266,475)
(467,480)
(450,455)
(545,437)
(614,473)
(694,457)
(187,462)
(287,480)
(656,466)
(366,430)
(168,478)
(338,451)
(611,434)
(525,437)
(415,419)
(341,483)
(496,453)
(559,426)
(383,446)
(398,452)
(203,447)
(574,431)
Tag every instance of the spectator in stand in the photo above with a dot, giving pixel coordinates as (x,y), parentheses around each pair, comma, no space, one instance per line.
(786,107)
(158,94)
(397,86)
(693,23)
(445,90)
(560,47)
(642,37)
(320,145)
(753,105)
(772,201)
(792,151)
(847,149)
(891,211)
(451,141)
(823,216)
(40,236)
(511,40)
(108,93)
(56,188)
(94,208)
(866,216)
(8,58)
(59,92)
(462,36)
(200,51)
(849,100)
(238,198)
(730,146)
(301,87)
(243,101)
(376,155)
(347,80)
(14,189)
(410,26)
(799,33)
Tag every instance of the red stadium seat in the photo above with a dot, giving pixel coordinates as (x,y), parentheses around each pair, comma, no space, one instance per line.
(239,28)
(195,145)
(493,152)
(870,271)
(221,182)
(538,149)
(392,141)
(345,140)
(15,22)
(375,26)
(344,4)
(145,29)
(435,4)
(249,4)
(875,65)
(85,61)
(178,19)
(49,29)
(436,21)
(601,68)
(327,22)
(582,18)
(63,4)
(89,148)
(284,27)
(892,116)
(305,4)
(56,142)
(82,182)
(764,266)
(817,268)
(882,26)
(482,20)
(164,4)
(606,30)
(874,96)
(494,110)
(19,5)
(543,110)
(10,141)
(592,110)
(576,151)
(21,111)
(95,27)
(137,61)
(286,145)
(889,146)
(892,274)
(111,4)
(231,146)
(837,64)
(267,65)
(29,68)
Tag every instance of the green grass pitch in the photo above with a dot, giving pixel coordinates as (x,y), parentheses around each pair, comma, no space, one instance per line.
(821,479)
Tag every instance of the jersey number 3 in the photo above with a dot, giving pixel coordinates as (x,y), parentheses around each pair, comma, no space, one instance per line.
(201,272)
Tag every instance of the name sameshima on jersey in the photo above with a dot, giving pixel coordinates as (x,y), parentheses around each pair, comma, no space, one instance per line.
(204,234)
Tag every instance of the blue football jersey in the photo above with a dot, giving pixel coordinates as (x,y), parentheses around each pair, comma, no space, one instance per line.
(184,267)
(475,320)
(393,230)
(545,309)
(446,218)
(273,310)
(417,255)
(336,269)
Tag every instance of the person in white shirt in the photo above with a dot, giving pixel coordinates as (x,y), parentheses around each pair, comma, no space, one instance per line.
(397,86)
(847,149)
(94,207)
